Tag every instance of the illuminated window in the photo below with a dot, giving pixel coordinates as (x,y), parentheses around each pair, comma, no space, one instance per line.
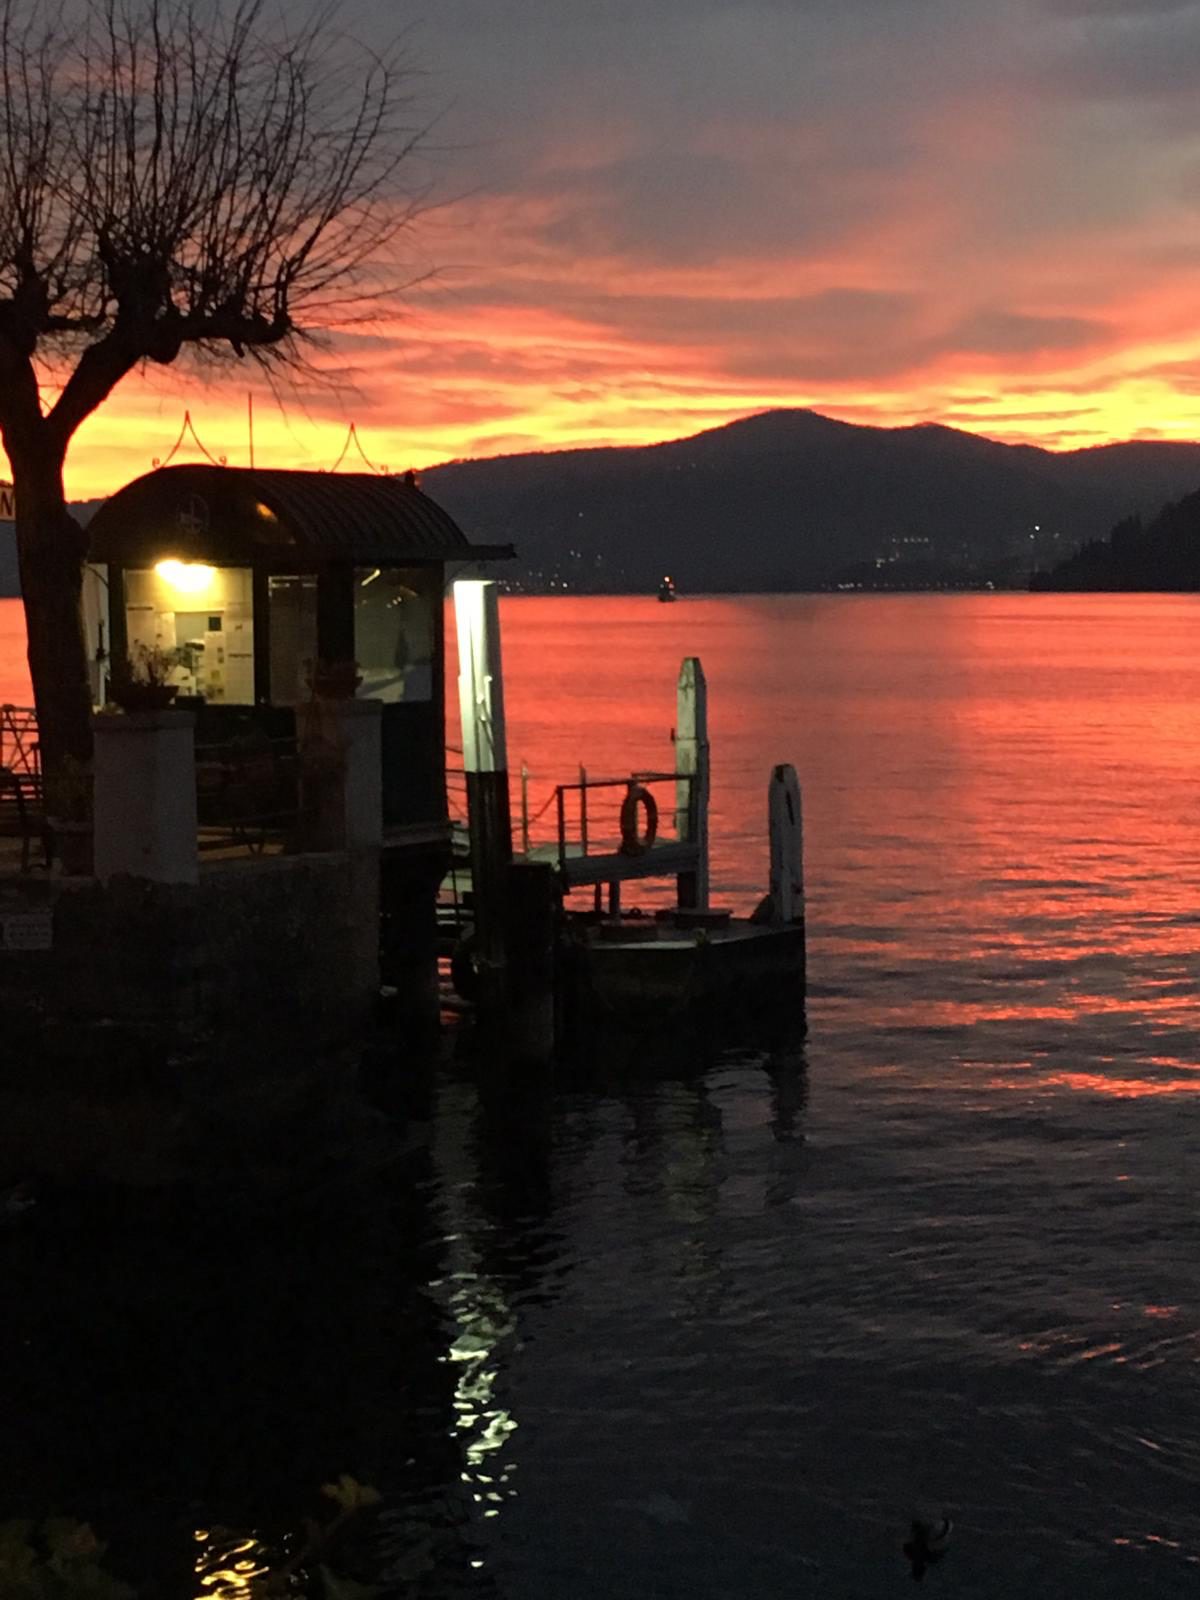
(394,634)
(207,615)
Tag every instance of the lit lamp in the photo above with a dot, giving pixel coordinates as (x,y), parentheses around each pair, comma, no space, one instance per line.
(188,577)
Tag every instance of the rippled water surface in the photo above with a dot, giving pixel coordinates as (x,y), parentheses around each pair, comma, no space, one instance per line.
(712,1330)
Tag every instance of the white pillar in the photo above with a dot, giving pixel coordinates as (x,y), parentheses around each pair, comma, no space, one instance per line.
(359,726)
(480,680)
(144,806)
(341,745)
(485,758)
(691,767)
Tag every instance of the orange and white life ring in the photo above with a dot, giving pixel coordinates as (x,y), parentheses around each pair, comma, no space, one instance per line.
(634,840)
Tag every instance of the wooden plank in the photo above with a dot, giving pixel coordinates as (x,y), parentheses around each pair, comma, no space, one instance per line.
(662,861)
(787,846)
(412,834)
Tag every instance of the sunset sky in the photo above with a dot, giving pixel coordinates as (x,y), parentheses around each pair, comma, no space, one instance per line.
(661,216)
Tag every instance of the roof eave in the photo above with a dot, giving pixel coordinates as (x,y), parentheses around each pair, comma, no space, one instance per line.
(487,552)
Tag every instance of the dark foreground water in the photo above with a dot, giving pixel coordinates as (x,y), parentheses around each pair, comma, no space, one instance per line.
(711,1328)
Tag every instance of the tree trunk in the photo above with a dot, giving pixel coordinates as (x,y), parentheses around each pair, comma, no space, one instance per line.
(50,547)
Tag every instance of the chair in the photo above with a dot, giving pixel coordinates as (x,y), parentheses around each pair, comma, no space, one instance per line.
(247,791)
(23,812)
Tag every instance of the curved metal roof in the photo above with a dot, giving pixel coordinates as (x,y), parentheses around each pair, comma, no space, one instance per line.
(240,512)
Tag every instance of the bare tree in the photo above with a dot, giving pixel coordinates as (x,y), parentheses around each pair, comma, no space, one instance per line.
(177,177)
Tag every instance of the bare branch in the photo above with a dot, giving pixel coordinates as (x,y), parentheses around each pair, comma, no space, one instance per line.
(191,176)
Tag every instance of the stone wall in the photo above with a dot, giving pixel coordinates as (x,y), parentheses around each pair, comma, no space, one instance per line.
(169,1022)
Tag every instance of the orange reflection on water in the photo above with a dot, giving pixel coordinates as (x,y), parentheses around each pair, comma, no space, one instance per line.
(1112,1088)
(1125,1088)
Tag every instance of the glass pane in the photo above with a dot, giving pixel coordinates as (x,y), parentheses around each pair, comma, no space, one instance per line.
(293,634)
(204,613)
(394,633)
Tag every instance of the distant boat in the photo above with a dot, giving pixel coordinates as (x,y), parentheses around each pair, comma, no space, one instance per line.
(666,590)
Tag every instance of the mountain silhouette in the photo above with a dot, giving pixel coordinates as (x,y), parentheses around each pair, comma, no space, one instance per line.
(1165,555)
(794,499)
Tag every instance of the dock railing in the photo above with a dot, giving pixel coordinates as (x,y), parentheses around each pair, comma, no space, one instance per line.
(572,827)
(613,837)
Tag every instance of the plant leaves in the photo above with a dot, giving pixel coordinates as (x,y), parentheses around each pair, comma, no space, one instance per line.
(350,1494)
(14,1538)
(75,1540)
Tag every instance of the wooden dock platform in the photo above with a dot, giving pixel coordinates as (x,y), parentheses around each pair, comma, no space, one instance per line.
(543,969)
(653,971)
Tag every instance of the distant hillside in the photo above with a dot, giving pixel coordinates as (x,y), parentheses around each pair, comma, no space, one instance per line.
(791,499)
(795,500)
(1164,554)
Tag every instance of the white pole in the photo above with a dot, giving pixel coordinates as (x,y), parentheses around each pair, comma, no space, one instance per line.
(691,768)
(485,758)
(480,681)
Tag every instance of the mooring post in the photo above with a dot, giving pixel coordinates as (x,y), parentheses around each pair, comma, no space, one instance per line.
(786,824)
(481,705)
(691,787)
(532,913)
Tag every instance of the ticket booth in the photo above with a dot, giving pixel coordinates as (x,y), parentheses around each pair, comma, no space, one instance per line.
(248,585)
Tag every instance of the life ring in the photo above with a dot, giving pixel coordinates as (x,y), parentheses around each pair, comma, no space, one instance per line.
(634,843)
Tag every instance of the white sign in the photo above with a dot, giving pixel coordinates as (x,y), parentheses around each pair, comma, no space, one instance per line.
(8,502)
(28,930)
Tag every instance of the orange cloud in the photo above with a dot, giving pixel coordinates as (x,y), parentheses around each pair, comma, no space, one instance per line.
(953,220)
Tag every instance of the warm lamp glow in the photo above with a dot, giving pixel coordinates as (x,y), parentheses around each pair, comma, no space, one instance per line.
(189,577)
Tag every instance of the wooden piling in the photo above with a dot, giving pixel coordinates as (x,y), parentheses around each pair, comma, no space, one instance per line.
(692,779)
(533,914)
(786,825)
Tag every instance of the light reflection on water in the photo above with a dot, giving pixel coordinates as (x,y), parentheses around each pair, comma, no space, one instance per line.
(711,1327)
(229,1566)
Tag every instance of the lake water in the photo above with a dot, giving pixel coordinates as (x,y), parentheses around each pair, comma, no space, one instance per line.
(713,1332)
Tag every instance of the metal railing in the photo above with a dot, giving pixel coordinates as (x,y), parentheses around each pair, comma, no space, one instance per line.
(248,793)
(574,828)
(586,835)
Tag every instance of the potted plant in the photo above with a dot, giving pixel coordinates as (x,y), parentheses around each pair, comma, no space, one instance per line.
(69,816)
(144,684)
